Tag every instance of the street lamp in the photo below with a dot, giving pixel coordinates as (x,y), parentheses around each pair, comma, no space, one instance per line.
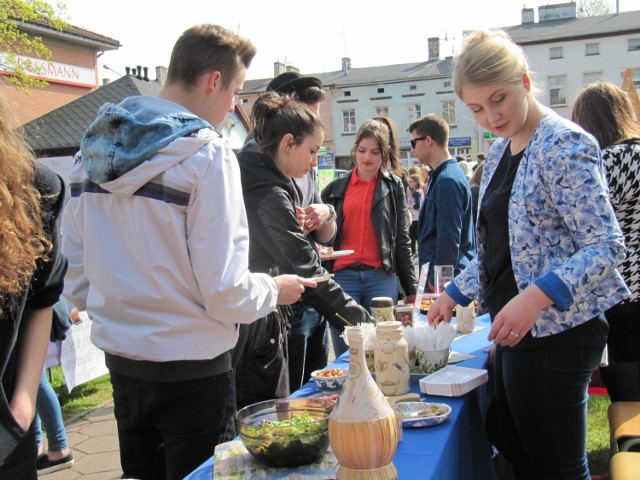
(109,68)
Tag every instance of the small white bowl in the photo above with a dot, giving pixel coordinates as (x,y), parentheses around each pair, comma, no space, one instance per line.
(328,383)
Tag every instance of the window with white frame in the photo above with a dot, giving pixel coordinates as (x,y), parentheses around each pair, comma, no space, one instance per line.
(349,120)
(449,111)
(415,111)
(555,52)
(382,110)
(592,49)
(591,77)
(557,90)
(633,44)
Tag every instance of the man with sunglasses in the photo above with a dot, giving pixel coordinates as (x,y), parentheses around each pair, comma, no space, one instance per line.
(445,225)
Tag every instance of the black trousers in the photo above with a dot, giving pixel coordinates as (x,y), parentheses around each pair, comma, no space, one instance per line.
(166,430)
(21,465)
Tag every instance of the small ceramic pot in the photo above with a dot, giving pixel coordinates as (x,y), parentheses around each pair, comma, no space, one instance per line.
(432,360)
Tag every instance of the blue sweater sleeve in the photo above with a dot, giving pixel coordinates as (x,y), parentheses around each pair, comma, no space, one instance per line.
(556,290)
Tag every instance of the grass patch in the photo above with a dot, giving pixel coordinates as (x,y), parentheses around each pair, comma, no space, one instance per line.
(82,398)
(598,434)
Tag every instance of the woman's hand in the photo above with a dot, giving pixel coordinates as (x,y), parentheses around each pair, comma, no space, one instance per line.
(75,316)
(518,316)
(410,299)
(441,310)
(315,218)
(492,353)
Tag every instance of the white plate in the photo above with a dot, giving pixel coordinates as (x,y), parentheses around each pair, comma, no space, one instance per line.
(430,295)
(422,414)
(322,278)
(335,254)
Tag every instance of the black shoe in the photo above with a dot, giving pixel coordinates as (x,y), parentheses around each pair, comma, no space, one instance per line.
(44,465)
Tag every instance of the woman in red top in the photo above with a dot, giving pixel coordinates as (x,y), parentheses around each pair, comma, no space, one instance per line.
(372,221)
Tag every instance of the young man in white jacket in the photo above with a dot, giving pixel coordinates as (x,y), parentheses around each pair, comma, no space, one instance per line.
(156,236)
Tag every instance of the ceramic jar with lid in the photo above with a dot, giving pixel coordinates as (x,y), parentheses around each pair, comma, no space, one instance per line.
(382,309)
(392,359)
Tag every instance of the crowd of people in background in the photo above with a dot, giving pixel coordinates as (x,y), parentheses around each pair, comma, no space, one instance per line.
(196,265)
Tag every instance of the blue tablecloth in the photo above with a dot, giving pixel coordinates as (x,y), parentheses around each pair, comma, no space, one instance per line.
(456,449)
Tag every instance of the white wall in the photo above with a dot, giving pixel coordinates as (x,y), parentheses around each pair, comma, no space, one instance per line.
(612,60)
(430,101)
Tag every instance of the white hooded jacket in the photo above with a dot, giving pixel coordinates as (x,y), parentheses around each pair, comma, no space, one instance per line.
(156,236)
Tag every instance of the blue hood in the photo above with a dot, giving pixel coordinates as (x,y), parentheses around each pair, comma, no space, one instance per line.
(123,136)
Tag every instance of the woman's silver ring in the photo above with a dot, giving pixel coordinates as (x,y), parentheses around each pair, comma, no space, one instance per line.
(514,334)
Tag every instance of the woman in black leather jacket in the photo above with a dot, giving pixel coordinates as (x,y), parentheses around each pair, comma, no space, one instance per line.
(289,135)
(372,221)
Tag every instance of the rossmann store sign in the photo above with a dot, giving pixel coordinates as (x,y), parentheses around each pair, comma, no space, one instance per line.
(54,72)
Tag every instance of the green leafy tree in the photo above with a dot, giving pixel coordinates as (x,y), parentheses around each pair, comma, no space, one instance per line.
(593,8)
(17,42)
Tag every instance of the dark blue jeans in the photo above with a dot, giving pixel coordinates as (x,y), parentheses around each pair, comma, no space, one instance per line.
(362,286)
(308,344)
(166,430)
(541,400)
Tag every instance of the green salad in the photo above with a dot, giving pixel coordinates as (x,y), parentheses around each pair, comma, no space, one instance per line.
(296,441)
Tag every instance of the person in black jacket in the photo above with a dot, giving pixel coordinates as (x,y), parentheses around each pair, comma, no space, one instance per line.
(372,221)
(289,135)
(31,281)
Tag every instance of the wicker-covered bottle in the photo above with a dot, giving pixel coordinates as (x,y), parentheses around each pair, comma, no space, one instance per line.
(363,430)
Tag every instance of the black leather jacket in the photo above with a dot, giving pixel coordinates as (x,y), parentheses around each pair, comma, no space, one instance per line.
(278,246)
(390,221)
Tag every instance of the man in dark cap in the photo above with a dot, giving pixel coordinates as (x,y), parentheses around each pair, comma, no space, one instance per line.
(295,83)
(307,340)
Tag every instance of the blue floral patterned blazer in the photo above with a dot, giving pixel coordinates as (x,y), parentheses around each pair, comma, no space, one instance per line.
(563,232)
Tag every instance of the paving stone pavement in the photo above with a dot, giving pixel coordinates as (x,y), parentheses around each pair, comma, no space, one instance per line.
(93,439)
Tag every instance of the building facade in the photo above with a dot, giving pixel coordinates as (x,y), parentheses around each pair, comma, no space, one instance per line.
(566,53)
(71,72)
(404,92)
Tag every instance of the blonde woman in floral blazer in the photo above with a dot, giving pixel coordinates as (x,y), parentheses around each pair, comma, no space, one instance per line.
(563,234)
(548,247)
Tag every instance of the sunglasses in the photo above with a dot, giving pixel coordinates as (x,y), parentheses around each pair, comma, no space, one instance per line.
(416,140)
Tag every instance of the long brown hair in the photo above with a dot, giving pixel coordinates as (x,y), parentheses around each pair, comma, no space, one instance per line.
(382,130)
(22,239)
(605,111)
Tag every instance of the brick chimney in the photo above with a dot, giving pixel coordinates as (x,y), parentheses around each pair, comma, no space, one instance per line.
(560,11)
(278,68)
(346,65)
(161,75)
(527,16)
(433,44)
